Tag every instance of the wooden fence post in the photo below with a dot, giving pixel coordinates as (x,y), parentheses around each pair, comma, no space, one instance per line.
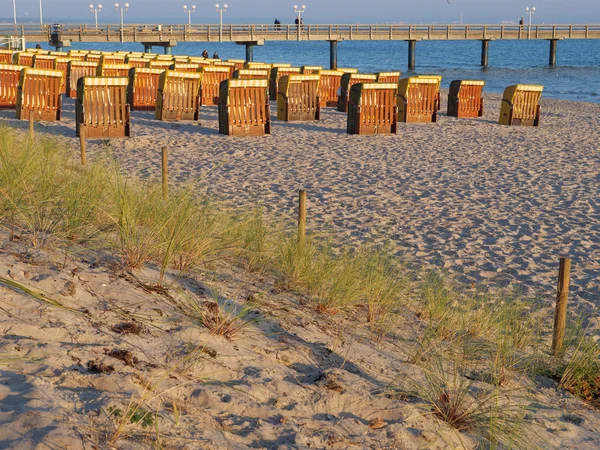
(165,173)
(82,148)
(301,216)
(560,315)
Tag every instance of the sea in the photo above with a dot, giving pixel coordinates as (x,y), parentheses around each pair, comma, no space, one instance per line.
(575,77)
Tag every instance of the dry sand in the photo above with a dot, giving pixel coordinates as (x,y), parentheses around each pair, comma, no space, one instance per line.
(492,203)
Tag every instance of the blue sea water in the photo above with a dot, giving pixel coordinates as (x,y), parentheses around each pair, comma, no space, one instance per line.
(576,76)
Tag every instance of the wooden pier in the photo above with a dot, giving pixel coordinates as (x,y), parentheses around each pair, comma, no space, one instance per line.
(167,36)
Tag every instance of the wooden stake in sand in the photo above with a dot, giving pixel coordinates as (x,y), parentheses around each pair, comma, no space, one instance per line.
(301,216)
(31,125)
(562,295)
(165,172)
(82,145)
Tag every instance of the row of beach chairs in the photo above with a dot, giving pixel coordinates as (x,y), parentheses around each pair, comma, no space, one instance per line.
(106,90)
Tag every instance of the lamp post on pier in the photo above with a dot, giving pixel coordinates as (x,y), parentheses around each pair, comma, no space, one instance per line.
(95,11)
(299,11)
(221,11)
(530,12)
(41,19)
(189,11)
(123,8)
(15,11)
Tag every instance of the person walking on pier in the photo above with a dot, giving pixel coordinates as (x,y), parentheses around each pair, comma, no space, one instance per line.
(521,22)
(216,55)
(277,24)
(205,53)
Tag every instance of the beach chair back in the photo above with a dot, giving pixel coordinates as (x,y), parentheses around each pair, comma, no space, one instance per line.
(10,75)
(251,74)
(229,65)
(182,59)
(372,108)
(257,65)
(331,80)
(136,61)
(39,95)
(418,99)
(178,96)
(165,58)
(439,98)
(347,70)
(113,70)
(76,70)
(388,77)
(62,64)
(93,57)
(212,77)
(465,99)
(298,98)
(159,64)
(113,59)
(238,63)
(275,76)
(101,109)
(309,70)
(185,67)
(44,62)
(143,88)
(347,81)
(6,56)
(74,55)
(244,108)
(23,59)
(282,65)
(521,105)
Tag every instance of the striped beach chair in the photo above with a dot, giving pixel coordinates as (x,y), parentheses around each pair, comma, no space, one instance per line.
(347,81)
(372,109)
(309,70)
(101,109)
(160,64)
(418,99)
(113,70)
(257,65)
(388,77)
(521,105)
(143,88)
(275,76)
(238,63)
(178,96)
(40,95)
(244,108)
(62,64)
(439,78)
(23,59)
(135,61)
(212,77)
(9,85)
(298,98)
(113,59)
(185,67)
(6,56)
(76,70)
(465,99)
(331,81)
(251,74)
(44,62)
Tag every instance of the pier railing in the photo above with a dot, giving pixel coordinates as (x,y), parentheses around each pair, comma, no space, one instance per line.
(338,32)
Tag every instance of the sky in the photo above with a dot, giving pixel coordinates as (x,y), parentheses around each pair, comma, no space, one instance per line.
(321,11)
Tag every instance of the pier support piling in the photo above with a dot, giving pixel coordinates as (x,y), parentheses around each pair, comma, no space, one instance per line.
(147,48)
(249,52)
(332,55)
(553,45)
(412,46)
(168,50)
(485,47)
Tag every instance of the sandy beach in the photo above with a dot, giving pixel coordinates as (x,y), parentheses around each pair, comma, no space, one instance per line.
(490,203)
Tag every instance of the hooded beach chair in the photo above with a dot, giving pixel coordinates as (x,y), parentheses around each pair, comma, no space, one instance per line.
(348,80)
(136,61)
(113,70)
(298,98)
(388,77)
(44,62)
(178,96)
(76,70)
(185,67)
(160,64)
(143,88)
(330,83)
(244,108)
(6,56)
(439,78)
(238,63)
(101,109)
(40,95)
(275,76)
(465,99)
(417,99)
(309,70)
(252,74)
(62,64)
(10,75)
(23,59)
(372,108)
(521,105)
(257,65)
(212,77)
(118,58)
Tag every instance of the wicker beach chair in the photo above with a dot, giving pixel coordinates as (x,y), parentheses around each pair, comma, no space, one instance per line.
(143,88)
(281,65)
(244,108)
(418,99)
(439,98)
(464,98)
(212,77)
(9,85)
(178,96)
(521,105)
(251,74)
(23,59)
(309,70)
(44,62)
(238,63)
(101,109)
(298,98)
(185,67)
(75,55)
(62,64)
(93,57)
(372,108)
(75,70)
(230,66)
(347,81)
(136,61)
(331,80)
(347,69)
(6,56)
(113,70)
(275,76)
(113,59)
(257,65)
(388,77)
(40,95)
(160,64)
